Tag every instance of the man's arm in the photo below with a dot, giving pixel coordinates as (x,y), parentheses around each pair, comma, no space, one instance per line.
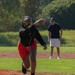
(39,22)
(49,36)
(40,39)
(61,31)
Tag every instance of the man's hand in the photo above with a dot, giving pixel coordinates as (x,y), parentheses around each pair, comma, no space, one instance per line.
(45,47)
(40,21)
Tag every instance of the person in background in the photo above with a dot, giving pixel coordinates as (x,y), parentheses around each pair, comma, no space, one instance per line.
(54,36)
(27,45)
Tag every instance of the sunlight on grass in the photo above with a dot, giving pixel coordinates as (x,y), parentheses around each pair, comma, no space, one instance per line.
(39,49)
(43,65)
(8,49)
(56,66)
(10,63)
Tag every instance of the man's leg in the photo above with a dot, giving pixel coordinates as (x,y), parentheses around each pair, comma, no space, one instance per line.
(24,54)
(25,64)
(33,60)
(57,44)
(58,52)
(51,52)
(52,46)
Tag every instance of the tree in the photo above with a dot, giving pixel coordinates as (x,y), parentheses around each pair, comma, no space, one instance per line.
(31,8)
(9,14)
(63,11)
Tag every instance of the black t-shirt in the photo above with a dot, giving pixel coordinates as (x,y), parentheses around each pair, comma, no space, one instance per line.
(28,34)
(54,29)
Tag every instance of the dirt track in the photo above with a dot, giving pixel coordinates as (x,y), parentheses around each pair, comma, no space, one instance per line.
(66,55)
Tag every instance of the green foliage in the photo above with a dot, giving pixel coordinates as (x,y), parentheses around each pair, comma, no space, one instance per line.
(11,38)
(44,3)
(9,15)
(13,11)
(31,8)
(63,11)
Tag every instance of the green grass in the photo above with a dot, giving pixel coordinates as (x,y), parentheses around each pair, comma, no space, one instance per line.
(39,49)
(62,49)
(56,66)
(11,38)
(8,49)
(43,65)
(10,63)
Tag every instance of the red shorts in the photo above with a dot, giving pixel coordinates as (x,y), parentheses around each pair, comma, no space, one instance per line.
(24,51)
(34,45)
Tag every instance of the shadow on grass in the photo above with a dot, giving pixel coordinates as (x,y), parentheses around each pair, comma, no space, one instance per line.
(8,40)
(11,40)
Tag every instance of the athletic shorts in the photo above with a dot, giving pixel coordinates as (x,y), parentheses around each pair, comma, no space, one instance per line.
(34,45)
(54,42)
(24,51)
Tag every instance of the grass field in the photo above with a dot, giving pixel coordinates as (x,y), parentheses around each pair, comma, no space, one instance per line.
(43,65)
(8,43)
(39,49)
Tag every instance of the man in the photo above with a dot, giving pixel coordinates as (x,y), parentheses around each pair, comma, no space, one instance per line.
(54,36)
(27,44)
